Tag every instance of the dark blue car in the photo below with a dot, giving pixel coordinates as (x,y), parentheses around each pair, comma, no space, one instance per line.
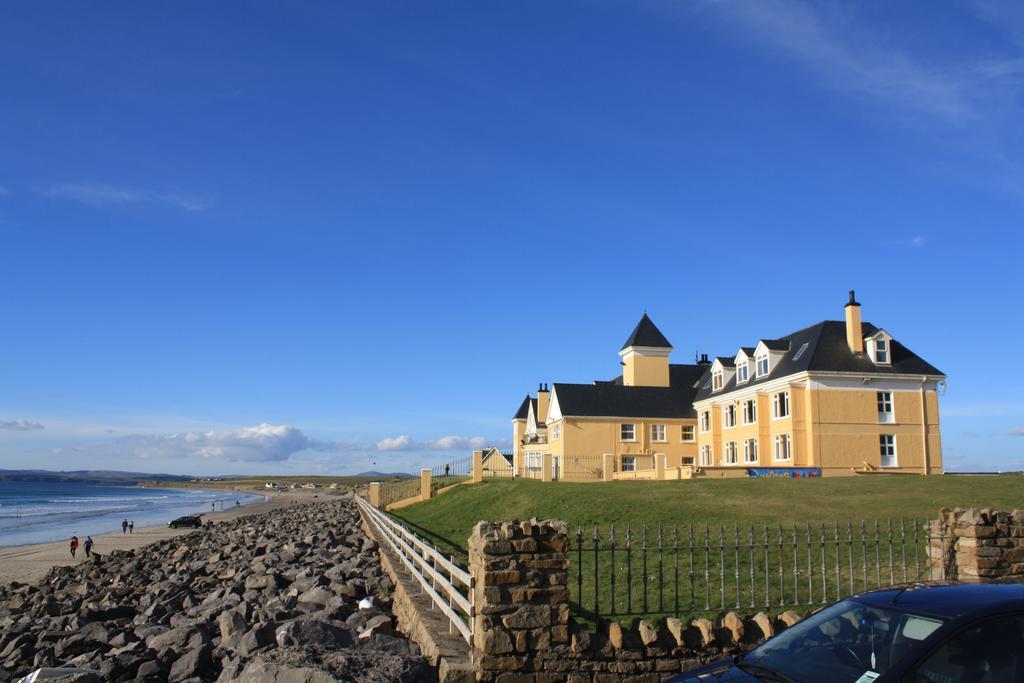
(924,633)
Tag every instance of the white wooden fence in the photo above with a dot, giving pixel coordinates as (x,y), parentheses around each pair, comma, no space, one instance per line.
(449,586)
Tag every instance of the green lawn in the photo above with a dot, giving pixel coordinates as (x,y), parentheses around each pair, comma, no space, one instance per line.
(819,563)
(449,519)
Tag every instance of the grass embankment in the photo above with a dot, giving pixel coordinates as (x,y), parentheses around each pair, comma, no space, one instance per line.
(818,564)
(448,520)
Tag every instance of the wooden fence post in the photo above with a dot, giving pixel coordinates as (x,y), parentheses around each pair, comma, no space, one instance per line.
(375,494)
(545,467)
(659,466)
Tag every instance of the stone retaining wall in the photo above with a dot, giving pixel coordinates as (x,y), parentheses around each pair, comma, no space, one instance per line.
(523,630)
(416,617)
(980,545)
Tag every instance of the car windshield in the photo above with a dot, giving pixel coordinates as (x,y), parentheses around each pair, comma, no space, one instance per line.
(845,643)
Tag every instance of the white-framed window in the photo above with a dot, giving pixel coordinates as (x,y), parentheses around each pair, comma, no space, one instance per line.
(783,447)
(705,421)
(627,432)
(629,463)
(885,413)
(687,434)
(730,456)
(533,460)
(750,451)
(750,411)
(887,448)
(716,380)
(882,351)
(761,363)
(658,433)
(729,415)
(707,455)
(688,460)
(780,405)
(556,432)
(742,372)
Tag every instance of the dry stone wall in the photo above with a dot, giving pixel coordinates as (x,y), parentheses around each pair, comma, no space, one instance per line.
(523,630)
(979,544)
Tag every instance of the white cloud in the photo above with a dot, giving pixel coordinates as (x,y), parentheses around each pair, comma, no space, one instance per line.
(847,57)
(20,425)
(1016,431)
(262,443)
(445,443)
(395,443)
(99,194)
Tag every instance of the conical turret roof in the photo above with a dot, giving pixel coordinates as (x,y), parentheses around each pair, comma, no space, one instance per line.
(647,334)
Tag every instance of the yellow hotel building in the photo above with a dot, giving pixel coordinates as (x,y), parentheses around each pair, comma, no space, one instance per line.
(840,397)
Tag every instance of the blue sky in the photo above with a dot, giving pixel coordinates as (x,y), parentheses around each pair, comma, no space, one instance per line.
(331,237)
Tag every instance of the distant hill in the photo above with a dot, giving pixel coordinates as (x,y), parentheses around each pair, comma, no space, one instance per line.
(373,473)
(92,476)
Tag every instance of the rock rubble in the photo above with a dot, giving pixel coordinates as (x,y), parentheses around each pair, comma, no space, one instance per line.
(269,597)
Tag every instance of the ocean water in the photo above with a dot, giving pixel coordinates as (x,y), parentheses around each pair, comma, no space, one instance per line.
(39,512)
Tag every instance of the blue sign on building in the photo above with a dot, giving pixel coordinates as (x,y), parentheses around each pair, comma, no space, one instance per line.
(784,472)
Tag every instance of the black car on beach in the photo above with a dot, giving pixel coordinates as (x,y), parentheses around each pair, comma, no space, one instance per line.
(920,633)
(186,521)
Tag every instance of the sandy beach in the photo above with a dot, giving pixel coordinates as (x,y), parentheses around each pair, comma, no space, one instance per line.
(27,563)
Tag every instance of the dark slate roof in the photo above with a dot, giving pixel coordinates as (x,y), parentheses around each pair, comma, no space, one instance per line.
(827,351)
(613,399)
(646,334)
(783,344)
(727,362)
(524,409)
(749,350)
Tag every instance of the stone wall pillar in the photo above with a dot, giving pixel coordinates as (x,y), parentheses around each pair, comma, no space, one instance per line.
(988,546)
(659,466)
(478,467)
(425,484)
(545,467)
(520,574)
(608,462)
(374,496)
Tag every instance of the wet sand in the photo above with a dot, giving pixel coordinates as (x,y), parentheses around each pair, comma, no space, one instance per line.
(29,563)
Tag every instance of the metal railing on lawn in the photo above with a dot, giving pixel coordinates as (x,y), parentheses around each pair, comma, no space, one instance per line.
(450,473)
(449,586)
(579,468)
(497,464)
(687,569)
(398,489)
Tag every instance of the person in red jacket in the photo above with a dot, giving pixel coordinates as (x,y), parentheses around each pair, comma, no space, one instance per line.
(73,545)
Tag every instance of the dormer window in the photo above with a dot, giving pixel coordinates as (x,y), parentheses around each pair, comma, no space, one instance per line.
(762,365)
(882,351)
(716,380)
(742,373)
(879,347)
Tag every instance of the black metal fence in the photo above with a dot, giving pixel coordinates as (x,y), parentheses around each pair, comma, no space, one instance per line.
(497,464)
(579,468)
(450,473)
(686,569)
(398,489)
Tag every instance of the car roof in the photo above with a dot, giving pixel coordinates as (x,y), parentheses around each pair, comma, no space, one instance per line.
(949,600)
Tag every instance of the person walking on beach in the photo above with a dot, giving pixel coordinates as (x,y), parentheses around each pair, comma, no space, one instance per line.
(124,525)
(131,526)
(88,546)
(73,545)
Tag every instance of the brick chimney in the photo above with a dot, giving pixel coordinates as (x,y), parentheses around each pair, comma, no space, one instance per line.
(854,333)
(542,402)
